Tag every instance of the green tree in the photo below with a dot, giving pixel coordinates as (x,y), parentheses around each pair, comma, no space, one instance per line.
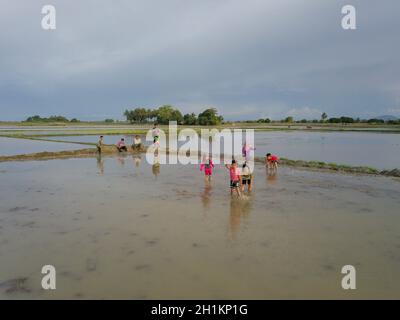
(34,118)
(58,119)
(376,121)
(209,117)
(334,120)
(137,115)
(346,120)
(190,119)
(288,120)
(324,116)
(168,113)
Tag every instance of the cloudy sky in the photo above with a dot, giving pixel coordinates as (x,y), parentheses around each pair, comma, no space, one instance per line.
(250,59)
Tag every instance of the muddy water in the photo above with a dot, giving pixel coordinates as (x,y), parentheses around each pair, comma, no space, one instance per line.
(11,147)
(120,228)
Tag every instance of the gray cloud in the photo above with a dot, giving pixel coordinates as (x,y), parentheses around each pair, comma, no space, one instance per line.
(253,58)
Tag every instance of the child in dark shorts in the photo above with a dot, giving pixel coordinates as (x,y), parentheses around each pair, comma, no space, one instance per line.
(234,173)
(247,177)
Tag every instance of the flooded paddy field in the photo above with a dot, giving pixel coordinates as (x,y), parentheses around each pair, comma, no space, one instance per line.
(11,146)
(118,227)
(376,150)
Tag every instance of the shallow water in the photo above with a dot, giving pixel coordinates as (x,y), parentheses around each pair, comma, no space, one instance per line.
(377,150)
(11,146)
(120,228)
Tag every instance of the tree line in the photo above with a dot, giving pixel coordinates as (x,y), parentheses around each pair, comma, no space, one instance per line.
(325,119)
(37,118)
(167,113)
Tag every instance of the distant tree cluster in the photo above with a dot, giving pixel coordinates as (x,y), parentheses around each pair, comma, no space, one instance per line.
(37,118)
(325,119)
(167,113)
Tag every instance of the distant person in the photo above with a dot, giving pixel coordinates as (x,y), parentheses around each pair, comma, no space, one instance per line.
(208,166)
(271,161)
(100,144)
(121,146)
(234,173)
(156,133)
(246,150)
(247,177)
(137,143)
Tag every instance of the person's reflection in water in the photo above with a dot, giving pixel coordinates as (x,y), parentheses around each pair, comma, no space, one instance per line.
(206,195)
(137,160)
(121,160)
(100,164)
(240,210)
(155,168)
(271,176)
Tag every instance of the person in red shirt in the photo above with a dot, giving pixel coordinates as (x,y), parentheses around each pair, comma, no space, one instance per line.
(271,161)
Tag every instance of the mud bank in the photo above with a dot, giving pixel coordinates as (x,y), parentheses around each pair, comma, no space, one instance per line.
(81,153)
(334,167)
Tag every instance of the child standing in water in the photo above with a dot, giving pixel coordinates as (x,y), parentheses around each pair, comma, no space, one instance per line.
(208,166)
(271,161)
(234,173)
(156,133)
(247,177)
(100,144)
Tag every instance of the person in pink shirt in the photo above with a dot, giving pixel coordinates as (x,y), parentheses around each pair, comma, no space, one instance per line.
(121,146)
(208,166)
(234,173)
(271,161)
(246,150)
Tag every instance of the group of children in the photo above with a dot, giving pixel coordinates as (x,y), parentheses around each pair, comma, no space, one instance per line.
(121,145)
(239,177)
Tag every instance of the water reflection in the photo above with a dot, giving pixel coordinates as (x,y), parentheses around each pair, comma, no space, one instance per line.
(121,159)
(155,168)
(206,195)
(100,164)
(137,159)
(240,210)
(271,176)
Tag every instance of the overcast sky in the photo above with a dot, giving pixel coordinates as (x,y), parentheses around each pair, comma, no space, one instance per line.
(248,58)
